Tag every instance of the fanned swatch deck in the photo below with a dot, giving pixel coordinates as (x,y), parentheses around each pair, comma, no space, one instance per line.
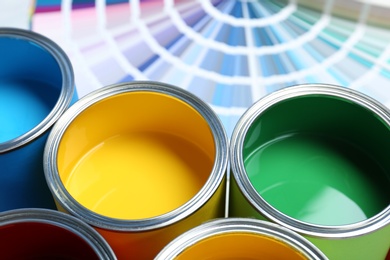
(229,53)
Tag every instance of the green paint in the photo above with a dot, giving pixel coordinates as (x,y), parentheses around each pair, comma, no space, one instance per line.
(316,179)
(320,159)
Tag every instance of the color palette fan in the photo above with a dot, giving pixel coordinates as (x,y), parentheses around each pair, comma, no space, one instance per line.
(229,53)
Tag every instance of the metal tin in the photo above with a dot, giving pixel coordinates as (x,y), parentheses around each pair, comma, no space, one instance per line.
(36,87)
(45,233)
(353,166)
(140,107)
(240,238)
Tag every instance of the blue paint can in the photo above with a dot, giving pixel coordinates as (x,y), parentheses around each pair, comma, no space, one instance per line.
(36,87)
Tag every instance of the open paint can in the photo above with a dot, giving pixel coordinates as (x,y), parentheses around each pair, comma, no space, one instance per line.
(34,233)
(36,87)
(142,162)
(315,159)
(240,238)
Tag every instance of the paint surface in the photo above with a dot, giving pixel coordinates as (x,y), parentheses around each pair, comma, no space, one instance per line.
(136,155)
(138,176)
(317,179)
(31,240)
(23,105)
(240,246)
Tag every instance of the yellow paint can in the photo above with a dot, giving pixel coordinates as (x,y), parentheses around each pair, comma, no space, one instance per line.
(142,162)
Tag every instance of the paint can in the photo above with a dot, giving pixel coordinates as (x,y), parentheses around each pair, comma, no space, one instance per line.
(240,238)
(33,233)
(314,158)
(36,87)
(142,162)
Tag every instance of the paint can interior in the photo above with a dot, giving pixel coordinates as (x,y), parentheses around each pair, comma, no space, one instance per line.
(36,87)
(142,162)
(240,238)
(33,233)
(314,158)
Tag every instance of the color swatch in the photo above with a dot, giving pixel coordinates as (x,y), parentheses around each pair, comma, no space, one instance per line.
(229,53)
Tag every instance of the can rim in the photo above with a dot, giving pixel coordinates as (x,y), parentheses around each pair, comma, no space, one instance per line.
(209,188)
(62,220)
(67,87)
(240,225)
(369,225)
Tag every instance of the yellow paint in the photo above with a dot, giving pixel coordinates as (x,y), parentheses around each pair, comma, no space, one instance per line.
(240,246)
(136,155)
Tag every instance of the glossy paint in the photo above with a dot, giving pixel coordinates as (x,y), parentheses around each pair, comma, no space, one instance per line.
(317,179)
(319,166)
(23,105)
(151,166)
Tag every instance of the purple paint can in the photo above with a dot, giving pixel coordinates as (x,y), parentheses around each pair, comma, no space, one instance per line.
(36,87)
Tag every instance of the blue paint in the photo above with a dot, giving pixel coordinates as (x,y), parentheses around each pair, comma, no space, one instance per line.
(23,105)
(30,85)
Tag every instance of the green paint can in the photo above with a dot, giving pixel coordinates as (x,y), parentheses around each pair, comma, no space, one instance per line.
(315,159)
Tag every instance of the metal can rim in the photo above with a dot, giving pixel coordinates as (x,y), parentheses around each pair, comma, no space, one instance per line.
(210,187)
(62,220)
(67,88)
(238,225)
(239,174)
